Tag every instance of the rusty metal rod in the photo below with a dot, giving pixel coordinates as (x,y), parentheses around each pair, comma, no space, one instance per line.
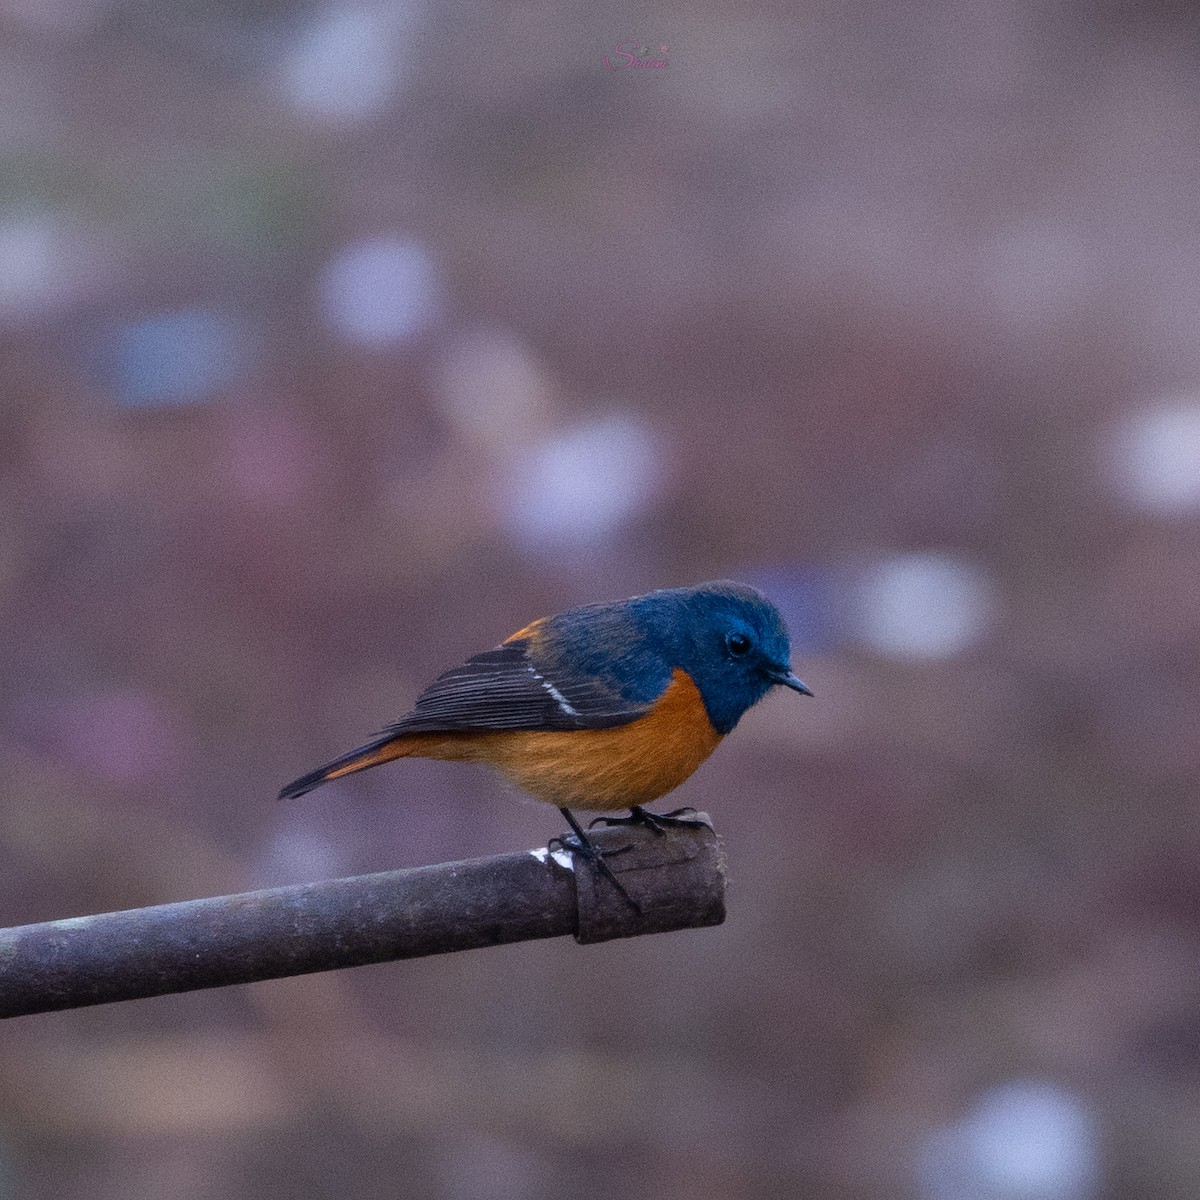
(677,880)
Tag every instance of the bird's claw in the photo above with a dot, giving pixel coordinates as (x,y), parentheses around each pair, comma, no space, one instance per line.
(589,850)
(659,823)
(578,843)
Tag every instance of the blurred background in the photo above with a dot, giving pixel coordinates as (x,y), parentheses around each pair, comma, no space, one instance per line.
(340,339)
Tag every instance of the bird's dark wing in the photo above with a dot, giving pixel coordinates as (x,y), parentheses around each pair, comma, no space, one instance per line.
(504,689)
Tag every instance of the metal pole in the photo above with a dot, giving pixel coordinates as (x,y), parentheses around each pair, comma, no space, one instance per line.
(677,879)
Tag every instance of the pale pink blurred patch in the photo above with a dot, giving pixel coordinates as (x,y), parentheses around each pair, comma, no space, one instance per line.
(269,455)
(124,736)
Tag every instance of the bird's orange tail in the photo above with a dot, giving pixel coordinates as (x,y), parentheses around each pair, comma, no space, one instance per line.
(371,755)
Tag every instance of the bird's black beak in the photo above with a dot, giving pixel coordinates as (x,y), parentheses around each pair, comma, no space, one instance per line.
(785,678)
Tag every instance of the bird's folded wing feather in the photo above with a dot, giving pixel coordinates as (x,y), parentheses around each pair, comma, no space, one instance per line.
(504,689)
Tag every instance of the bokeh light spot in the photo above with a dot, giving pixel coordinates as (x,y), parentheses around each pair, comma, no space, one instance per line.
(924,606)
(381,291)
(1026,1140)
(493,390)
(345,65)
(583,484)
(178,358)
(34,272)
(1155,457)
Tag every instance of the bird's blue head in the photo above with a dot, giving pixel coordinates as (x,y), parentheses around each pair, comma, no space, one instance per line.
(730,639)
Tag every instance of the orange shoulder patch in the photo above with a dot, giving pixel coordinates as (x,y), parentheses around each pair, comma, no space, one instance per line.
(530,631)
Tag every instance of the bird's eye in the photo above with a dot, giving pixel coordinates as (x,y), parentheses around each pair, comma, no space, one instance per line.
(738,644)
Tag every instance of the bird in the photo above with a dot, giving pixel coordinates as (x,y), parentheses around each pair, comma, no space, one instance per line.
(603,707)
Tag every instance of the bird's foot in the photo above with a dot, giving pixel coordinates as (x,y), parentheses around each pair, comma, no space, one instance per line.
(658,822)
(580,844)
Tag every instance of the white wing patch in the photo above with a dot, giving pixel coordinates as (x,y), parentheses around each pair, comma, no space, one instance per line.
(559,698)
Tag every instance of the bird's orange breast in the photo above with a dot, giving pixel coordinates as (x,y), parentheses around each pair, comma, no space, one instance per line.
(598,769)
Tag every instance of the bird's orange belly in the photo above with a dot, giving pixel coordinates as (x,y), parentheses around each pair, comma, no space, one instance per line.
(600,769)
